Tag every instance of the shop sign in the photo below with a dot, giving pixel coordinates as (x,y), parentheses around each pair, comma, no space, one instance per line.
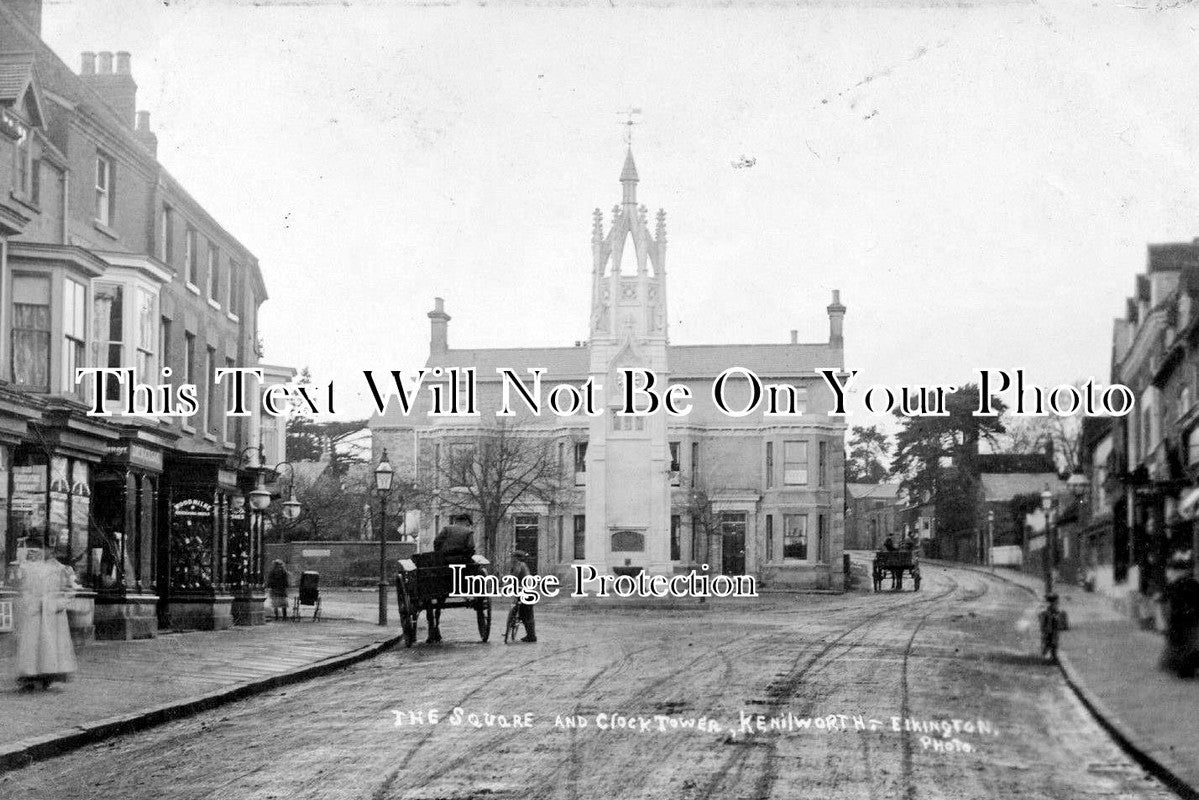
(29,480)
(316,553)
(193,508)
(137,455)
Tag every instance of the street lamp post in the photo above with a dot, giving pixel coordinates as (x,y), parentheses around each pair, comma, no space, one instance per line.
(260,497)
(383,476)
(991,539)
(1049,616)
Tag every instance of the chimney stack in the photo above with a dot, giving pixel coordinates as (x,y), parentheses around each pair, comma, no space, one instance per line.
(439,328)
(794,336)
(144,135)
(836,316)
(116,88)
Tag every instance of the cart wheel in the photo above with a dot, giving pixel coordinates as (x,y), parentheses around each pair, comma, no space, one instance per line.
(513,622)
(483,617)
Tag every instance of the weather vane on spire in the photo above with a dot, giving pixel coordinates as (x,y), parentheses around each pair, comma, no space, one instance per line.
(629,123)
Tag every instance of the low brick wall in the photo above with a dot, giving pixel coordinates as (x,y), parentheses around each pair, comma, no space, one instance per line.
(339,563)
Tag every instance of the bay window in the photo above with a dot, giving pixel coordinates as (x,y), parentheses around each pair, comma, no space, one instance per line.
(147,316)
(795,537)
(74,333)
(108,333)
(795,463)
(31,332)
(124,330)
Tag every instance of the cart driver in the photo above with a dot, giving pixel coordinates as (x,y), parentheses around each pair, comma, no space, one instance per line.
(455,541)
(457,538)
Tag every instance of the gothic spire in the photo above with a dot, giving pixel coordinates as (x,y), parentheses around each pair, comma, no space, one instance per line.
(628,177)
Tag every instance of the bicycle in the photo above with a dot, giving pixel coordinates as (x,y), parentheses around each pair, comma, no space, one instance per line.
(513,623)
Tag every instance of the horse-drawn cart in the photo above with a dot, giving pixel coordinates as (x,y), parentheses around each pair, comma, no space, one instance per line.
(424,582)
(896,563)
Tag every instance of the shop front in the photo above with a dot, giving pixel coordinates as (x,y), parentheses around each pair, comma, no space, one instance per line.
(205,553)
(125,501)
(51,496)
(15,416)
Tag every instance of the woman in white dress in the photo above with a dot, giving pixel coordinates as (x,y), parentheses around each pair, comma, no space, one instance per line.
(44,650)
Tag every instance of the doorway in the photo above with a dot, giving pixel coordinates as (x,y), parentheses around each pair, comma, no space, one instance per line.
(732,538)
(526,538)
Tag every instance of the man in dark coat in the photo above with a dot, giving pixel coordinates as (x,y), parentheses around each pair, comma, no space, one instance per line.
(889,544)
(457,538)
(521,571)
(456,542)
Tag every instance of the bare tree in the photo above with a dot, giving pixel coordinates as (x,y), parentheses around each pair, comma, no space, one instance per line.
(487,473)
(1032,434)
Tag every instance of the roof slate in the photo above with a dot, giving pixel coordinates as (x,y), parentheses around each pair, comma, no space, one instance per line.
(16,73)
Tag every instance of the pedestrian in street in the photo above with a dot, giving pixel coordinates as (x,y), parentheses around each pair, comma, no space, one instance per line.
(44,650)
(521,571)
(1181,600)
(277,584)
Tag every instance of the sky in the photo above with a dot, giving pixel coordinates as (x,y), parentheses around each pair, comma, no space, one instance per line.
(979,180)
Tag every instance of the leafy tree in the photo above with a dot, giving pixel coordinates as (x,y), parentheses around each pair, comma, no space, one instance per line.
(868,450)
(935,457)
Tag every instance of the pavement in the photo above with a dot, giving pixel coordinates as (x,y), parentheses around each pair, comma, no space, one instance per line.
(1112,665)
(131,685)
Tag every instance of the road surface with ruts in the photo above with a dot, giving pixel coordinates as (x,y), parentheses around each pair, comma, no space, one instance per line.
(911,695)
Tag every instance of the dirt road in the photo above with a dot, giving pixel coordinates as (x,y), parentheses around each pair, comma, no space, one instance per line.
(911,695)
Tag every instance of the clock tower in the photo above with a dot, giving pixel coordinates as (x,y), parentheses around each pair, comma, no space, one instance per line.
(628,458)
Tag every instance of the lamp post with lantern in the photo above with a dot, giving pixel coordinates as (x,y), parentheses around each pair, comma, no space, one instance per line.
(991,539)
(1049,615)
(383,476)
(260,497)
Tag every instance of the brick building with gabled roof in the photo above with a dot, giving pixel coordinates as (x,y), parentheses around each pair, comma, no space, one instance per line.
(106,261)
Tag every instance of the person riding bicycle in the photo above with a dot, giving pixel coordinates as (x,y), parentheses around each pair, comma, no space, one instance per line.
(521,571)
